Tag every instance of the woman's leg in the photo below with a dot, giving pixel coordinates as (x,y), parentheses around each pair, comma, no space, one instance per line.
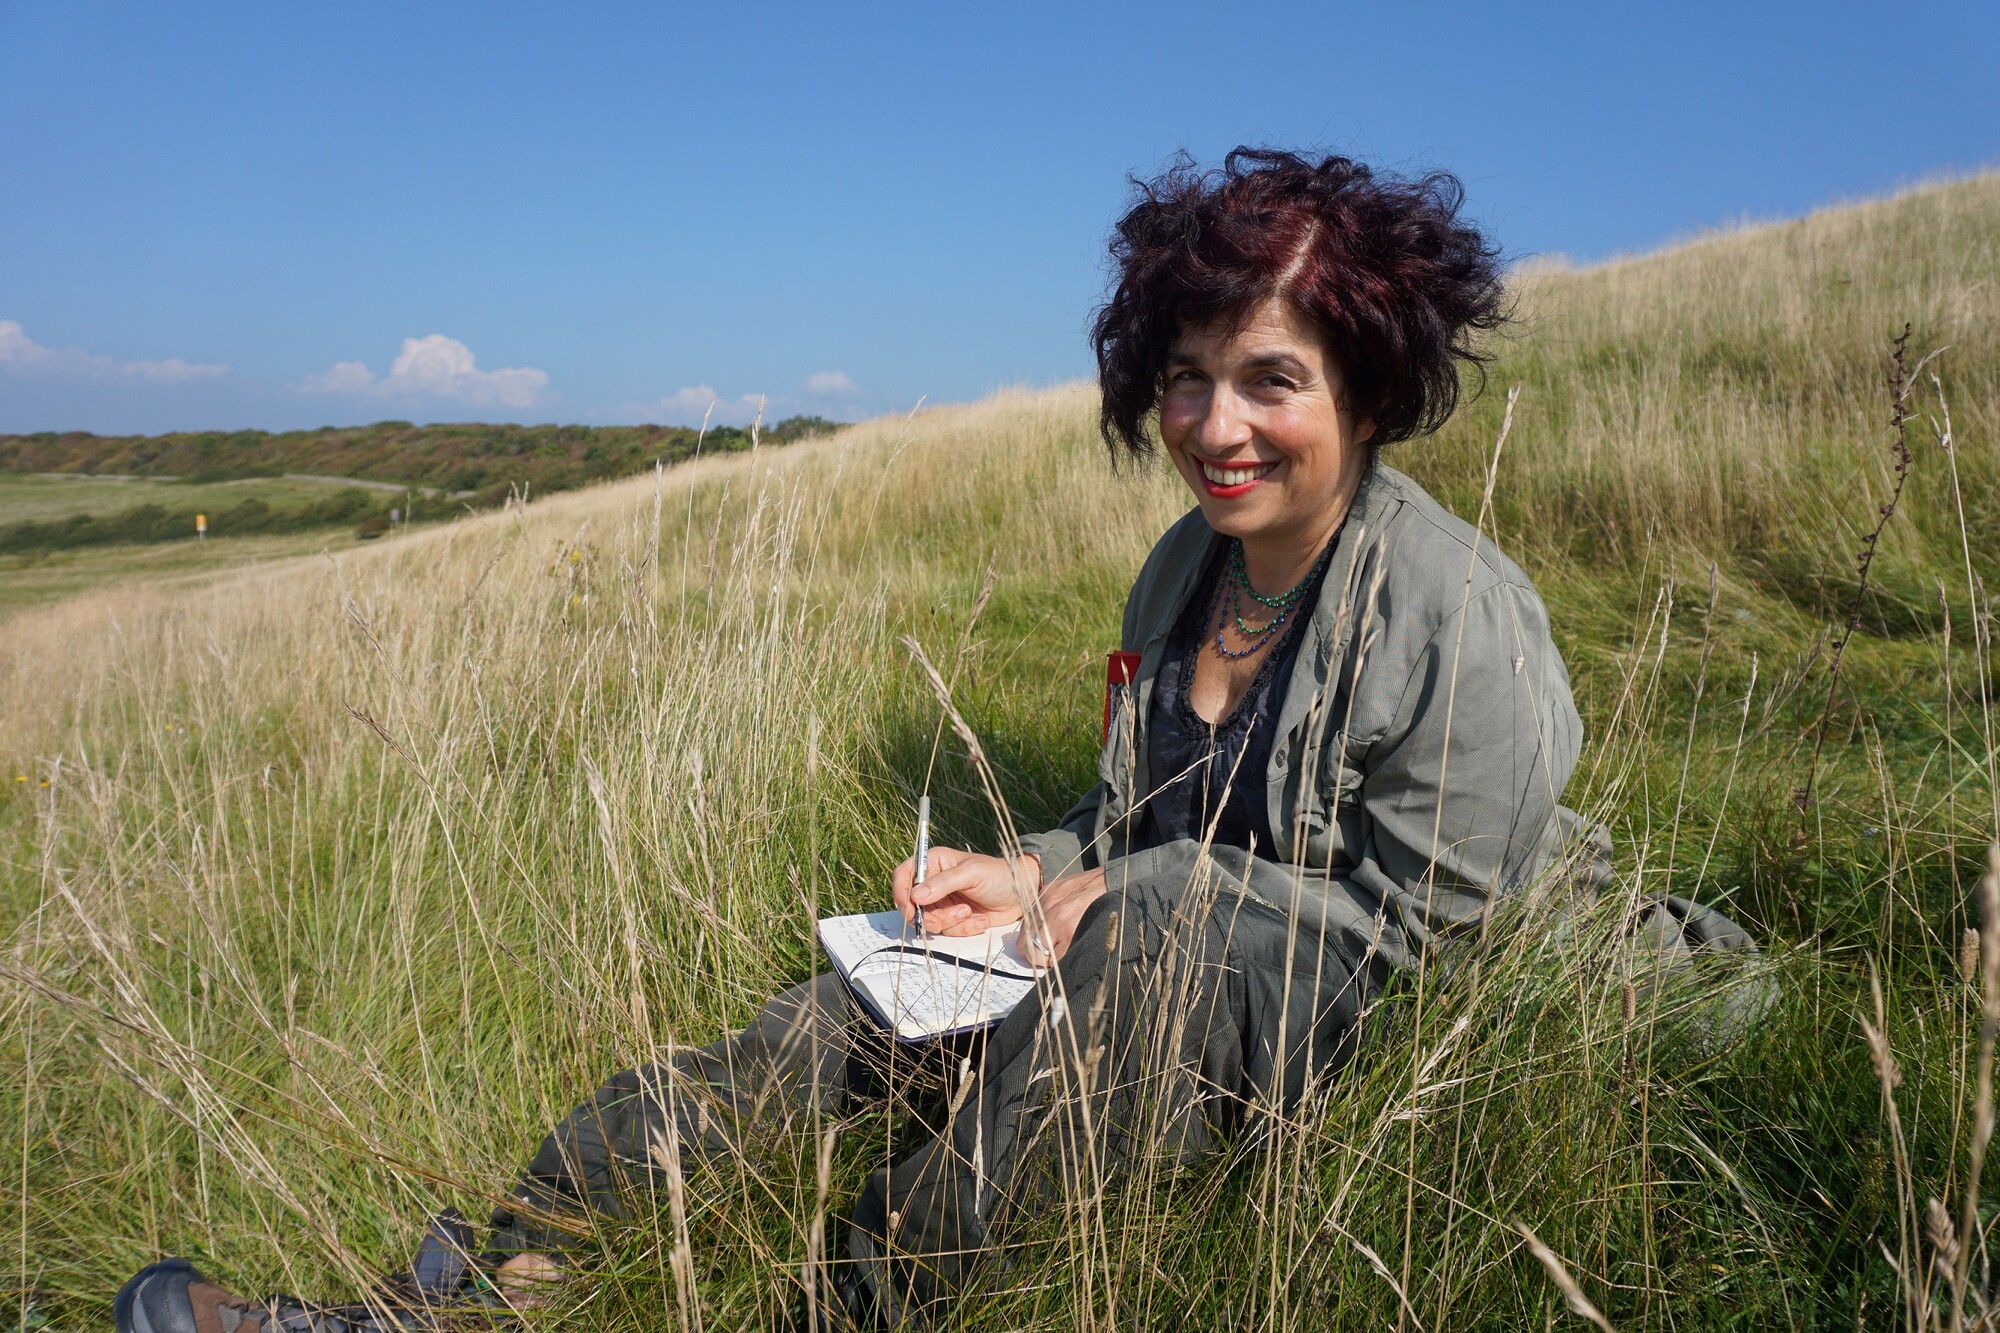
(801,1050)
(1178,1014)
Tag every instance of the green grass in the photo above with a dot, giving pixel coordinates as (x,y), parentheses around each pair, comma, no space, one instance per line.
(353,873)
(492,458)
(43,499)
(42,577)
(33,578)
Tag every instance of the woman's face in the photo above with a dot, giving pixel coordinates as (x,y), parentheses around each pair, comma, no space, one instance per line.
(1255,423)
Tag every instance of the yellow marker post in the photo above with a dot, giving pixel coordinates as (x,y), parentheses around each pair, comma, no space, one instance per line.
(201,527)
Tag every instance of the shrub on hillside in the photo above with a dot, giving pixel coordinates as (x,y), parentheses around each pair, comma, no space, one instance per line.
(147,524)
(495,459)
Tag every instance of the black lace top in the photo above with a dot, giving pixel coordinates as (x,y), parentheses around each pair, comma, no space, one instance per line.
(1195,769)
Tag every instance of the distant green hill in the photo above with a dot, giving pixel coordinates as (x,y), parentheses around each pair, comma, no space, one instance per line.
(472,464)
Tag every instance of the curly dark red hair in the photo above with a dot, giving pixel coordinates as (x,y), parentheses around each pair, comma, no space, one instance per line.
(1396,282)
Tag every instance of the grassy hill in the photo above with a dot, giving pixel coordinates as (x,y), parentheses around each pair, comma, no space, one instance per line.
(143,489)
(453,457)
(329,885)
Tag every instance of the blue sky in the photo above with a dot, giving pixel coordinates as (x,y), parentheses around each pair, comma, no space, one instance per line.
(303,214)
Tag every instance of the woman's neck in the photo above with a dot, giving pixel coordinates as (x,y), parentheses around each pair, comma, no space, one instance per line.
(1277,562)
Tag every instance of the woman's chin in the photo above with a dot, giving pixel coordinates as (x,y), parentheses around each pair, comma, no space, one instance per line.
(1233,518)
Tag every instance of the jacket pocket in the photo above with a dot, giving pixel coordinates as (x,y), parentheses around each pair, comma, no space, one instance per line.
(1331,820)
(1340,785)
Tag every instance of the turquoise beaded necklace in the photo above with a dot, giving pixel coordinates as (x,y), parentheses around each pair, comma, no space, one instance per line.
(1237,585)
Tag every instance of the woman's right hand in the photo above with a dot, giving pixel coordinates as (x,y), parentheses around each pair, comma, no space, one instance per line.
(964,893)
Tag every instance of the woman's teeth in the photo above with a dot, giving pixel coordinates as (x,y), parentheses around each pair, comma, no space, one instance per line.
(1234,476)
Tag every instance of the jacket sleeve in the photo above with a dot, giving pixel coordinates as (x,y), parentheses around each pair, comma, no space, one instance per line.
(1457,799)
(1461,795)
(1062,847)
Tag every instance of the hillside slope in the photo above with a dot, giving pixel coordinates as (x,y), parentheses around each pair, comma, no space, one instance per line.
(331,884)
(462,457)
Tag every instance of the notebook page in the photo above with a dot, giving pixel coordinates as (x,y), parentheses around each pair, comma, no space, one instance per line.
(927,984)
(849,939)
(926,994)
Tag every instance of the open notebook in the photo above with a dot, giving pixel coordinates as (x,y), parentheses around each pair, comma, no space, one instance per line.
(919,986)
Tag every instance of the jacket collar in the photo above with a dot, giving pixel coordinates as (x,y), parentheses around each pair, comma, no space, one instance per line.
(1342,603)
(1342,600)
(1331,627)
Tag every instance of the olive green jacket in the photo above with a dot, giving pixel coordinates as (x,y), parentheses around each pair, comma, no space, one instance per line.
(1422,746)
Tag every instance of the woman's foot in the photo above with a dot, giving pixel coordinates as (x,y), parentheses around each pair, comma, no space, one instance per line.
(173,1297)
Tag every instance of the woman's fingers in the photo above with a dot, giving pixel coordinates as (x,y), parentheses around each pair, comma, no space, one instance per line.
(1062,928)
(964,892)
(968,923)
(944,883)
(1038,942)
(903,879)
(986,881)
(941,915)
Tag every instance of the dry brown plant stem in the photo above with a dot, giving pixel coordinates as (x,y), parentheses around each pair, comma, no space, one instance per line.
(1902,378)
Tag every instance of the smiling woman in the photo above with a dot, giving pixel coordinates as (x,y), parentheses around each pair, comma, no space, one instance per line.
(1349,730)
(1348,735)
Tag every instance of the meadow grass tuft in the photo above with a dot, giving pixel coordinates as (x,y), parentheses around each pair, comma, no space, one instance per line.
(353,873)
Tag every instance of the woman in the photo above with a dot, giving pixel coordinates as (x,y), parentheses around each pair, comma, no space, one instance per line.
(1349,732)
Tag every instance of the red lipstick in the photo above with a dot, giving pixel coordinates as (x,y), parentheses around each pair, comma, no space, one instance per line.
(1231,490)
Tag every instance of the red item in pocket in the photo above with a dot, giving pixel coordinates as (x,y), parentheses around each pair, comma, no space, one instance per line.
(1119,670)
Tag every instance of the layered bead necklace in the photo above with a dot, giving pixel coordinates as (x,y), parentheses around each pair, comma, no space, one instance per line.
(1236,584)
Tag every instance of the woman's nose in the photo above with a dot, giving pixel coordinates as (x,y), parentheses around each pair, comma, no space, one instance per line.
(1224,425)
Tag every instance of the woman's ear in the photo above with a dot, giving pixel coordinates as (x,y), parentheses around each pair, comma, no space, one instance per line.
(1362,427)
(1363,424)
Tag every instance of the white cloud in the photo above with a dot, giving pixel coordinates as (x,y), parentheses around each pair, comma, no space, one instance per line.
(831,384)
(15,347)
(694,404)
(434,366)
(20,353)
(173,370)
(343,377)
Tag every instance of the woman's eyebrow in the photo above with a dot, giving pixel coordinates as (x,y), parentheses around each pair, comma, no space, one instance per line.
(1274,361)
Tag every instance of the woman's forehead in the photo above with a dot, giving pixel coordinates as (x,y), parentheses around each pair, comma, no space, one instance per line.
(1270,329)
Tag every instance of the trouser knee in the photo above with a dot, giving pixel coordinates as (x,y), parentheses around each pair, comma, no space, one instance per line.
(910,1247)
(675,1114)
